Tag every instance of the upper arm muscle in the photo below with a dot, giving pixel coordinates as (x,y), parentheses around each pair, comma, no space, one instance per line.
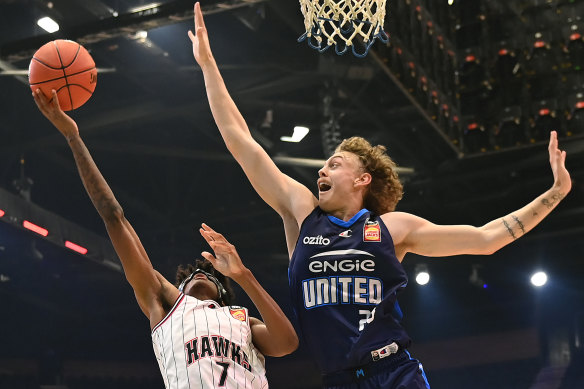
(137,267)
(419,236)
(284,194)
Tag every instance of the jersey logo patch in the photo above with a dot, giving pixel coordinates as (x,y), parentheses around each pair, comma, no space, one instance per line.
(238,313)
(346,234)
(371,231)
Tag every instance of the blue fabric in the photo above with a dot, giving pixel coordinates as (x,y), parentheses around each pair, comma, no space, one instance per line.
(409,374)
(344,279)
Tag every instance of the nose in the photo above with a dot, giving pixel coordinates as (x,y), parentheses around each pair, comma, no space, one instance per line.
(322,172)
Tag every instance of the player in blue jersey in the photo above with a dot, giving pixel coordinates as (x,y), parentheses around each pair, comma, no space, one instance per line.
(346,246)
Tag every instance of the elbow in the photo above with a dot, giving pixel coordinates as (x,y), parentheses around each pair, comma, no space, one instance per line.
(287,348)
(489,242)
(112,213)
(490,250)
(293,345)
(241,144)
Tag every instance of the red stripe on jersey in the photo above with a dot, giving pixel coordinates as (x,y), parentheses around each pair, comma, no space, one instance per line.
(178,300)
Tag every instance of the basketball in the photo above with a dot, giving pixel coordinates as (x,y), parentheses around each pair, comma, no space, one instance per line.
(66,67)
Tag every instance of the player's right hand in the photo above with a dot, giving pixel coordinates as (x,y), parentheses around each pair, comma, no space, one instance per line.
(52,111)
(200,39)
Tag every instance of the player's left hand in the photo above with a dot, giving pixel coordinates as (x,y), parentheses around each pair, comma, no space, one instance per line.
(226,259)
(562,181)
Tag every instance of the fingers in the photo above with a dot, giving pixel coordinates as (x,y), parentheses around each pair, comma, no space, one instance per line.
(209,257)
(38,99)
(199,22)
(553,141)
(191,36)
(212,234)
(206,227)
(42,102)
(55,100)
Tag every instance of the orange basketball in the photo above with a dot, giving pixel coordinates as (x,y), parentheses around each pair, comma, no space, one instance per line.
(66,67)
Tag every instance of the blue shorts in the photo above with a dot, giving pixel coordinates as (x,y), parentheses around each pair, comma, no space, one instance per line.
(399,371)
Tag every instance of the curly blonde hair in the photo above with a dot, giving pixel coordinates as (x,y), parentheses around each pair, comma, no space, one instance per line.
(385,190)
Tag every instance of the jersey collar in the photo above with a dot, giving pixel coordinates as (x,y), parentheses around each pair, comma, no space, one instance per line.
(349,222)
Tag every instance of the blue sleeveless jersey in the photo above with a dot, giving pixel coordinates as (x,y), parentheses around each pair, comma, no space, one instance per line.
(344,277)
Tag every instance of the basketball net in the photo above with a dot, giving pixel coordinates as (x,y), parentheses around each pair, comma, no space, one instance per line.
(338,22)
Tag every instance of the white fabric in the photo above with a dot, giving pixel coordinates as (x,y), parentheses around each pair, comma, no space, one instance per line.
(199,344)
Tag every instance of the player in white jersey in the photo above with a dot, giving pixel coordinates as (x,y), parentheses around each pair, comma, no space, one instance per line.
(207,343)
(199,341)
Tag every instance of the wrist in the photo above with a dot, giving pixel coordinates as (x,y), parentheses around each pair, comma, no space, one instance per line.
(552,197)
(242,276)
(72,137)
(208,64)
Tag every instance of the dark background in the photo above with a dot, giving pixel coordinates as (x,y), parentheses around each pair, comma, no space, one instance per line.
(463,97)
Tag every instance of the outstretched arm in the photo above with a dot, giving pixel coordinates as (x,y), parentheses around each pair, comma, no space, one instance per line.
(424,238)
(275,336)
(285,195)
(148,285)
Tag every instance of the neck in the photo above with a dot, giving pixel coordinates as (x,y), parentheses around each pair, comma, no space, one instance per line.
(345,214)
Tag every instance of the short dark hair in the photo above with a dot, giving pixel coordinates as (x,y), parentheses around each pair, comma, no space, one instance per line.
(183,272)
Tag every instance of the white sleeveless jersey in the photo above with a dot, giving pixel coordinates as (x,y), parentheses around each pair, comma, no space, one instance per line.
(200,344)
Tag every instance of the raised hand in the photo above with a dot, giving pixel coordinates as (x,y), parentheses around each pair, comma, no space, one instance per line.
(226,260)
(52,111)
(200,39)
(562,181)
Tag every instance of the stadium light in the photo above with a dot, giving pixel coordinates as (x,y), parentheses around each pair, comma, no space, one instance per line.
(539,279)
(48,24)
(298,134)
(422,275)
(75,247)
(34,228)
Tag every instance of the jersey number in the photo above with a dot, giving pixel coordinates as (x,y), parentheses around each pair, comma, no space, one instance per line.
(223,378)
(369,316)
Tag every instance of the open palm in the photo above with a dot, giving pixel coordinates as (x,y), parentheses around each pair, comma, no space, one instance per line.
(562,180)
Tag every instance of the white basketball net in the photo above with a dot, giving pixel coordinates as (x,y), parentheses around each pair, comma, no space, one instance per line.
(338,22)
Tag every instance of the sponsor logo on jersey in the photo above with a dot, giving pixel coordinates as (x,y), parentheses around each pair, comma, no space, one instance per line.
(346,234)
(371,231)
(238,313)
(345,265)
(318,292)
(385,351)
(316,240)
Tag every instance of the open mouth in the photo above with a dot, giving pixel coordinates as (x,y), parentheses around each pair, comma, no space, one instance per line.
(323,187)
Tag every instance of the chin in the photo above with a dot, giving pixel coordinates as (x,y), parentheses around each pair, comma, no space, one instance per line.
(203,291)
(325,206)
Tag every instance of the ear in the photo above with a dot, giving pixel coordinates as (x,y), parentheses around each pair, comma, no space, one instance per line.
(363,180)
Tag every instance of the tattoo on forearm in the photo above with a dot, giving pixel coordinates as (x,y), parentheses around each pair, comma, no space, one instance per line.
(509,230)
(534,212)
(519,223)
(98,190)
(550,203)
